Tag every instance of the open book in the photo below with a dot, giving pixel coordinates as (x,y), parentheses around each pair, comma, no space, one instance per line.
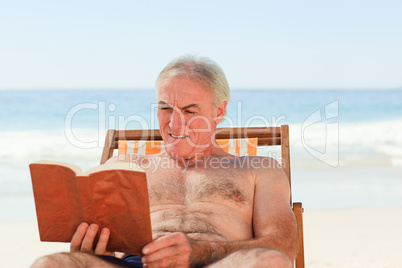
(112,195)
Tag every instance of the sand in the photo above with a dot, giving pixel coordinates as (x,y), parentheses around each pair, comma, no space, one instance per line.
(333,238)
(353,238)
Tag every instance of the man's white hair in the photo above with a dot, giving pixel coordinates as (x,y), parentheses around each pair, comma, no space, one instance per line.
(201,70)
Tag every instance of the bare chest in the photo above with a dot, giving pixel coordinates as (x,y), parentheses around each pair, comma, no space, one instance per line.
(195,186)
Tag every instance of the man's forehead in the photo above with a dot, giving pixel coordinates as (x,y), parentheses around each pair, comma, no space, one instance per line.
(182,85)
(181,92)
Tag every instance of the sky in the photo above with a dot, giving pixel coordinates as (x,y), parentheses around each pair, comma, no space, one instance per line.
(124,44)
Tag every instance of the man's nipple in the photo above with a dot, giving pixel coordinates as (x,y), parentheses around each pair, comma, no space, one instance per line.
(238,196)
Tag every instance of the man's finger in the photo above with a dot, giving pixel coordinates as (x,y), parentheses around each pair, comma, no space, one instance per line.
(163,242)
(156,236)
(169,259)
(78,236)
(102,242)
(88,241)
(162,255)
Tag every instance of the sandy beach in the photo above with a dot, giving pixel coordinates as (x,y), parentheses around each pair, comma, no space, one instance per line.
(333,238)
(353,238)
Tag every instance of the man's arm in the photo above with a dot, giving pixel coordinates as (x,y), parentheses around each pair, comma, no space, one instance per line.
(274,226)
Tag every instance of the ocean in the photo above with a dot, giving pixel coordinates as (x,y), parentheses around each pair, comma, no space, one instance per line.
(346,145)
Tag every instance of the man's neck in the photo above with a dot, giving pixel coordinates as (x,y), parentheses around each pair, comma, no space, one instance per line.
(198,158)
(189,161)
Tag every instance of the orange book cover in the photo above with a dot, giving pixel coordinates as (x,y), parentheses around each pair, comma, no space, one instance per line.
(112,195)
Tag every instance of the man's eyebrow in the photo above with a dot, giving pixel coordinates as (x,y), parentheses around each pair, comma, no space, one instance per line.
(192,105)
(163,103)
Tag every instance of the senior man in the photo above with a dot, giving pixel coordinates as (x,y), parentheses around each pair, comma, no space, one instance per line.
(208,208)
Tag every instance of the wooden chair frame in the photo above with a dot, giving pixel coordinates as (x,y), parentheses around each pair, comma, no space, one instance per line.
(267,136)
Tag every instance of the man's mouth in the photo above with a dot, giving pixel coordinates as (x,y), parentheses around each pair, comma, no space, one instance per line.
(178,136)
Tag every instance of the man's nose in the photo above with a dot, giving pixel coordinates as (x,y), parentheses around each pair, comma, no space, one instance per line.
(177,121)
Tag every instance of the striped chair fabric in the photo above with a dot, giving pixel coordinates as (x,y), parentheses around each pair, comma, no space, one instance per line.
(238,147)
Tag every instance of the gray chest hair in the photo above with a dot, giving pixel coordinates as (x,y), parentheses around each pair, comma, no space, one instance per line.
(189,189)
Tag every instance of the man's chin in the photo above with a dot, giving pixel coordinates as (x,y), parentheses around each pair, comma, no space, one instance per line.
(180,157)
(179,154)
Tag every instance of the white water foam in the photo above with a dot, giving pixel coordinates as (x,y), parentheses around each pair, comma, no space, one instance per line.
(362,144)
(20,148)
(354,144)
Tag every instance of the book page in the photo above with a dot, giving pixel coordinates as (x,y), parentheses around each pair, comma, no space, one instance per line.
(116,165)
(79,172)
(73,167)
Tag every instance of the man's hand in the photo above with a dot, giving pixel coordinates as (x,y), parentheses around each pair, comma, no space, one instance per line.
(83,240)
(169,250)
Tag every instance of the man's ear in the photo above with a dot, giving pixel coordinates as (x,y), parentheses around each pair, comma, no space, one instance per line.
(220,112)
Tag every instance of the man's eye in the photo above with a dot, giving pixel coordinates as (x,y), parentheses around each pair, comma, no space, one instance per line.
(164,108)
(190,112)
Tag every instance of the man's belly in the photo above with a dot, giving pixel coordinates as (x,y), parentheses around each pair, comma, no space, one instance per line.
(203,221)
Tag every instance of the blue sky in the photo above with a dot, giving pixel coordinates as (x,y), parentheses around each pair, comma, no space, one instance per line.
(259,44)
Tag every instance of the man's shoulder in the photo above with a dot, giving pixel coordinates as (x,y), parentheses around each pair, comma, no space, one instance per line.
(260,167)
(248,166)
(257,162)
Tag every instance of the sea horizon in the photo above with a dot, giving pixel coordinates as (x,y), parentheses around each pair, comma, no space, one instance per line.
(315,88)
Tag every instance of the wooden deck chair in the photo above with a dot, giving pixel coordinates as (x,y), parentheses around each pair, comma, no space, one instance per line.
(237,141)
